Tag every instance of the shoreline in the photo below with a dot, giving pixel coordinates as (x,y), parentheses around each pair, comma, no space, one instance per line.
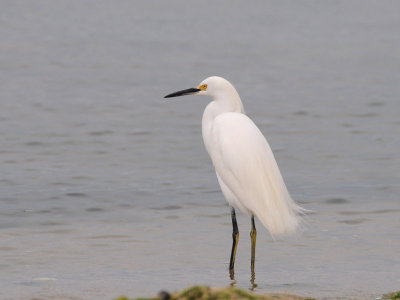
(210,293)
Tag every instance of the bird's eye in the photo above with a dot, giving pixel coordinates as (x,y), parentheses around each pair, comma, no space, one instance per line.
(203,87)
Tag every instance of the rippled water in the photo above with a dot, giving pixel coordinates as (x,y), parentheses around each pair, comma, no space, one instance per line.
(106,188)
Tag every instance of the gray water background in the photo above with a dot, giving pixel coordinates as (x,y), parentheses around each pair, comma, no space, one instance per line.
(106,188)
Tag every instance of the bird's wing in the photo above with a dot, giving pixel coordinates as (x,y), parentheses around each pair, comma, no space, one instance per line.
(246,165)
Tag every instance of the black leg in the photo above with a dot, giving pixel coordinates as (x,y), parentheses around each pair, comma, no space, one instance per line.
(235,237)
(253,235)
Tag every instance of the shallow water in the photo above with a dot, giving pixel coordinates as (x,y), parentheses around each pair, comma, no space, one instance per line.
(106,188)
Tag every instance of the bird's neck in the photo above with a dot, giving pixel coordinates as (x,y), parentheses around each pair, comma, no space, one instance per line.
(221,104)
(227,102)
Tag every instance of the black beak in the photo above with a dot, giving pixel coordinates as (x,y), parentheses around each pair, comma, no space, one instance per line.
(183,93)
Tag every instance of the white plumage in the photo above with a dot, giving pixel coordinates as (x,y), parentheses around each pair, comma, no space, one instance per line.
(245,165)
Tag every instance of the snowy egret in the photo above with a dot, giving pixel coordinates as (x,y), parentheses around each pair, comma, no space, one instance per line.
(245,165)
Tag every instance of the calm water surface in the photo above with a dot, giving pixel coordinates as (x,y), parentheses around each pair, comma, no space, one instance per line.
(106,188)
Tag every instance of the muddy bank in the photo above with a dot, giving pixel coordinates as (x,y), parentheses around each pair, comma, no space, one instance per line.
(207,293)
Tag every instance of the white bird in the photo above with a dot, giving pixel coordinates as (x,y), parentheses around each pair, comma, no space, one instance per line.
(245,165)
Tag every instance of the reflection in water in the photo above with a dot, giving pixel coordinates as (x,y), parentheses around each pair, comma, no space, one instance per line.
(232,276)
(252,279)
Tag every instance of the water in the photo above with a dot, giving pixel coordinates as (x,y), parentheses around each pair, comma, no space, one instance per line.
(106,188)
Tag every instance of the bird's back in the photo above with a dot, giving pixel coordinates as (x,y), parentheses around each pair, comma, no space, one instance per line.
(245,164)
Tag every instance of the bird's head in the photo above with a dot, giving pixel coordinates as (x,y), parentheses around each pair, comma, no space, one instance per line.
(212,86)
